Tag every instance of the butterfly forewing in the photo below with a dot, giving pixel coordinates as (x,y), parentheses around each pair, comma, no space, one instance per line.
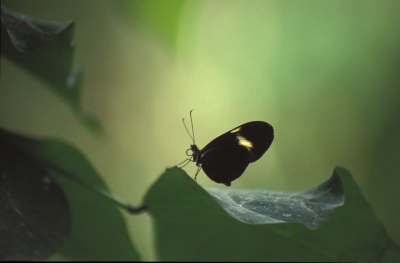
(256,136)
(260,135)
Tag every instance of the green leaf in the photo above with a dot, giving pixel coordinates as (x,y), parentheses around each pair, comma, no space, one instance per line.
(161,17)
(99,231)
(35,219)
(191,226)
(44,48)
(312,208)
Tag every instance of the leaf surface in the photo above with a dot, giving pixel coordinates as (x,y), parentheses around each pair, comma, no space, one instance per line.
(311,208)
(191,225)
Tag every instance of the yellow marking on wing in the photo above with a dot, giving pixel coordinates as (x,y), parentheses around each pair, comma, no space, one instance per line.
(243,141)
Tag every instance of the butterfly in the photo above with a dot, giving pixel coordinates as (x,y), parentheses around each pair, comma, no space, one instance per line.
(226,157)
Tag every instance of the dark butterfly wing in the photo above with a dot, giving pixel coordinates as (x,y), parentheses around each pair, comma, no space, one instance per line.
(226,163)
(255,136)
(260,134)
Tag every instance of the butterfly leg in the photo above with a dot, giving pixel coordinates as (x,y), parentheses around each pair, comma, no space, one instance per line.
(188,160)
(198,170)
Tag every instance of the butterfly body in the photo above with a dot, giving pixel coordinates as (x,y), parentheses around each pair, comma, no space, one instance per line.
(226,157)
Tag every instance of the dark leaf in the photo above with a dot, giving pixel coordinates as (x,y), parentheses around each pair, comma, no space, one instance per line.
(35,218)
(28,34)
(44,48)
(99,231)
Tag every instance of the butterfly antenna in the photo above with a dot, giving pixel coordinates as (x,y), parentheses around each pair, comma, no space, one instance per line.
(191,121)
(184,124)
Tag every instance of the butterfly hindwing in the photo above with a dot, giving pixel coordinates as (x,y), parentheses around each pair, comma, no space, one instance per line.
(226,163)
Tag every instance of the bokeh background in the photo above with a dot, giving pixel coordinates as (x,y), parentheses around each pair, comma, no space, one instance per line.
(325,74)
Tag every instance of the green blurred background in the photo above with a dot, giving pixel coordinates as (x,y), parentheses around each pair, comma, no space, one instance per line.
(325,74)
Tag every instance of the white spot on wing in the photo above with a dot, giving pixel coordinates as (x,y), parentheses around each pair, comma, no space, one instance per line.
(236,130)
